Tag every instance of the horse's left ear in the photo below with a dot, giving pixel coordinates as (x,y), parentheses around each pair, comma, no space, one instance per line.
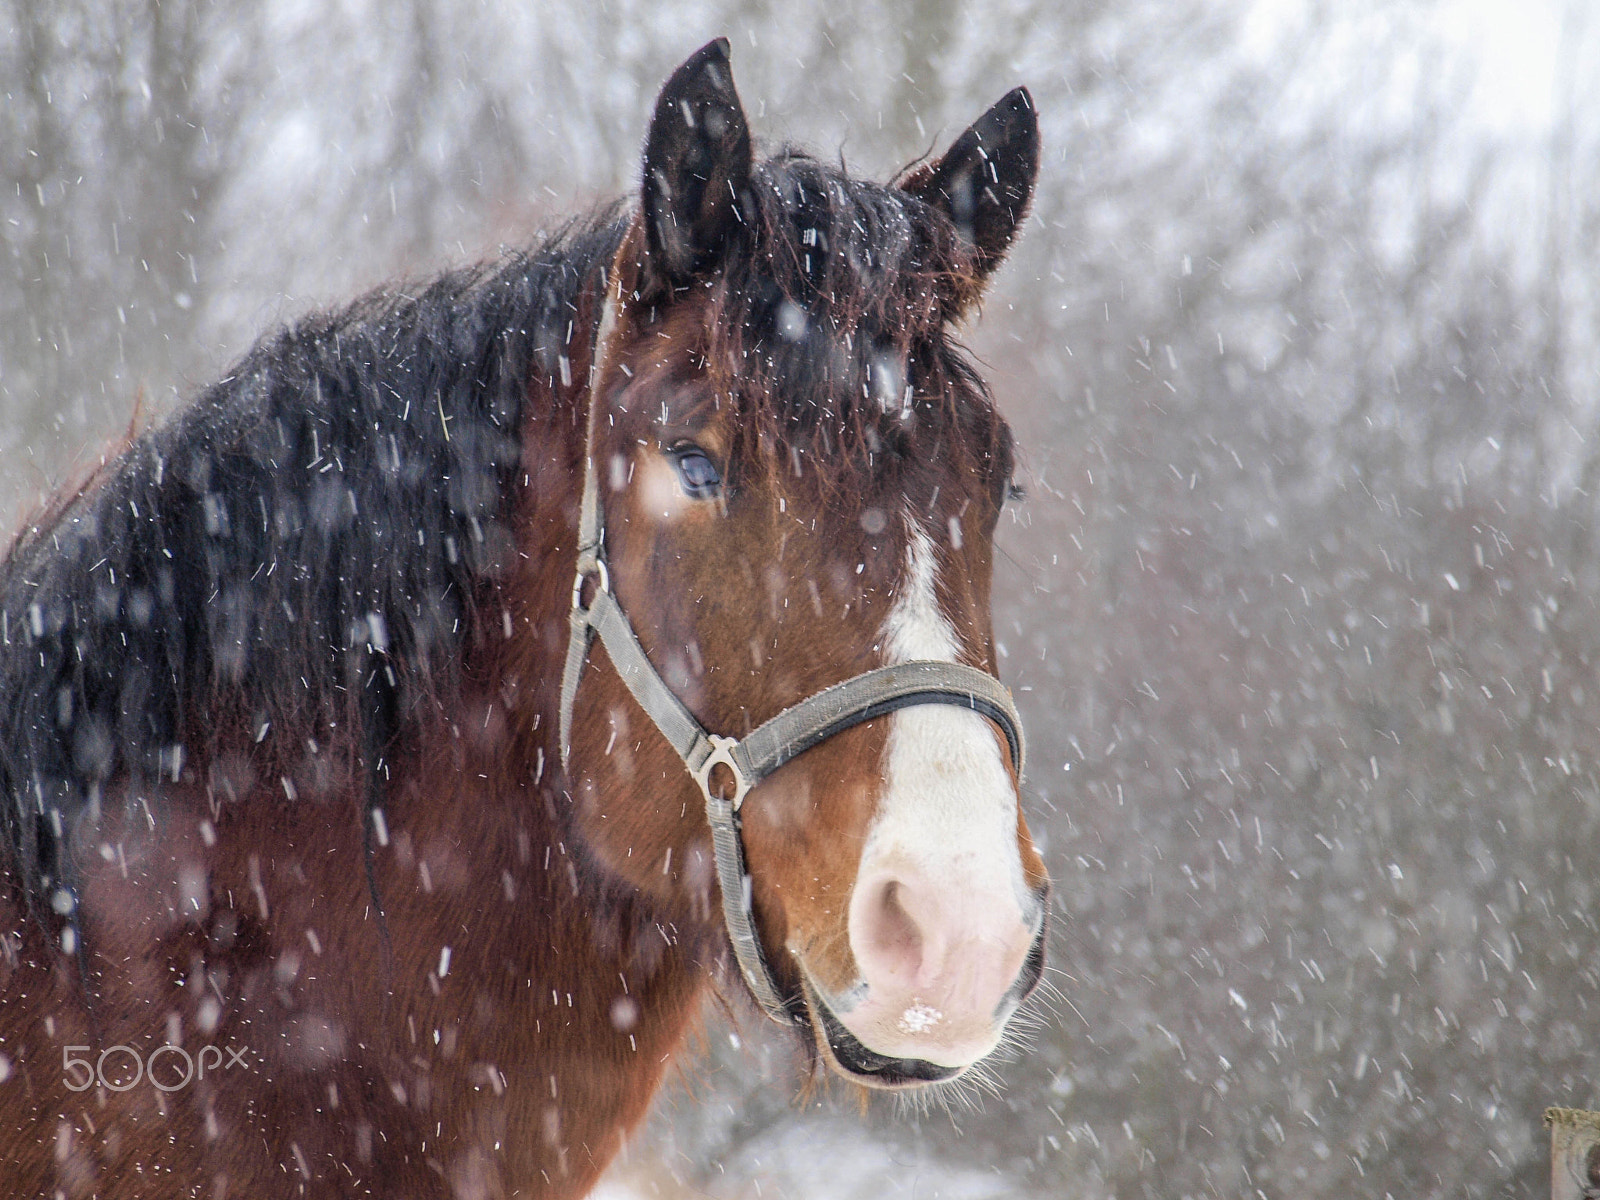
(984,181)
(696,167)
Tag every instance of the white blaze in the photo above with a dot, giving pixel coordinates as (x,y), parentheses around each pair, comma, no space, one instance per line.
(941,915)
(916,629)
(948,799)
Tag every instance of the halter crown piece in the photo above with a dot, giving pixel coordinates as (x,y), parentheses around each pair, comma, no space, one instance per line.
(752,758)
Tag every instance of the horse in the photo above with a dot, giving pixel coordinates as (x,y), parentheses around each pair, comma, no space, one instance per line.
(402,739)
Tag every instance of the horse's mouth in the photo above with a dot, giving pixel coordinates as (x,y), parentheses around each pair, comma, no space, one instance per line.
(854,1060)
(863,1066)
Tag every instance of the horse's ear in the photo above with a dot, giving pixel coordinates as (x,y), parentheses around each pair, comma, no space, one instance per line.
(984,181)
(696,167)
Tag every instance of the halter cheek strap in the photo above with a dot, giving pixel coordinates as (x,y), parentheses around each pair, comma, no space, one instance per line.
(752,758)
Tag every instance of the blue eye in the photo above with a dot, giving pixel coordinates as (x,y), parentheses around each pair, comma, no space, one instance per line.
(697,473)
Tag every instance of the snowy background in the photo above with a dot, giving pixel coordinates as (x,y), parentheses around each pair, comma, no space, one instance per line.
(1301,349)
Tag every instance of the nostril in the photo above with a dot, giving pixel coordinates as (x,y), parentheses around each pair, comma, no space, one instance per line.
(1038,906)
(894,940)
(1032,970)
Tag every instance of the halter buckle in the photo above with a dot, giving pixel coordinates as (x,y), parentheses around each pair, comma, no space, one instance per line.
(603,584)
(722,749)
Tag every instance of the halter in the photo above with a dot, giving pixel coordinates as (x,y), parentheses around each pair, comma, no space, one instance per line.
(752,758)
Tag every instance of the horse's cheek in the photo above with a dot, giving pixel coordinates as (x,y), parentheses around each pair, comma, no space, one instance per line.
(803,832)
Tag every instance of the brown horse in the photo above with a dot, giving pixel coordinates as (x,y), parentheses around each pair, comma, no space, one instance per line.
(364,832)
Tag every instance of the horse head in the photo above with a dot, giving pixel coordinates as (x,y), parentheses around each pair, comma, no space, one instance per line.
(801,472)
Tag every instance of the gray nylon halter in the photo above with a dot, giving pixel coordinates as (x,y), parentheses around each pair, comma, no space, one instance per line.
(755,756)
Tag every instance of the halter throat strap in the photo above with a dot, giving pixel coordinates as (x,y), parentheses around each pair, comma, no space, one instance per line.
(752,758)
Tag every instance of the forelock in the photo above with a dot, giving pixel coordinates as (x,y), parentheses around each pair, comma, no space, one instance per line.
(829,321)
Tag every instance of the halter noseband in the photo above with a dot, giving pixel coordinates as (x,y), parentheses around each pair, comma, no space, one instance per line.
(752,758)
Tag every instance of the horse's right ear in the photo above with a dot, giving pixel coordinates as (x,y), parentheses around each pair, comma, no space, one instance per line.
(985,180)
(696,168)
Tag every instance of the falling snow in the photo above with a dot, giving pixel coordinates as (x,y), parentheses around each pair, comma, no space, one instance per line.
(919,1018)
(1299,352)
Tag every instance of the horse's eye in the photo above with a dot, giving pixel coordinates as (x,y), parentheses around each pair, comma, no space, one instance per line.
(697,473)
(1015,492)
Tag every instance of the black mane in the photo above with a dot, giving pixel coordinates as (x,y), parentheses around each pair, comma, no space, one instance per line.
(302,540)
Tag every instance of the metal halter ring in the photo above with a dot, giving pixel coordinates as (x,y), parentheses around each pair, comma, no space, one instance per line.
(722,749)
(603,585)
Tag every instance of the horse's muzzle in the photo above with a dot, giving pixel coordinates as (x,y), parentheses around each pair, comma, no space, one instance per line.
(867,1067)
(857,1061)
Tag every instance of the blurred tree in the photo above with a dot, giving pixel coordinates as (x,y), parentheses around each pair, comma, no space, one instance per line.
(121,121)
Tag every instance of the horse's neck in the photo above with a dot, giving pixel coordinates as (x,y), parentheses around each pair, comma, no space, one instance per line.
(577,990)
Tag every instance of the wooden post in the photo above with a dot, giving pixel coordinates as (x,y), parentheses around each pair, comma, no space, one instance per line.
(1574,1153)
